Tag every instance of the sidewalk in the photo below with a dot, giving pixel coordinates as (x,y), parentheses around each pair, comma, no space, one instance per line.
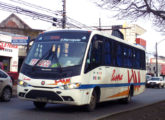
(150,112)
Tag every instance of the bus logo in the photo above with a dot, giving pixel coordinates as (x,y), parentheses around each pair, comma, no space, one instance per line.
(43,83)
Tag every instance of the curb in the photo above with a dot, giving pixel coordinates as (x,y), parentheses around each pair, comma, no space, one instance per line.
(128,110)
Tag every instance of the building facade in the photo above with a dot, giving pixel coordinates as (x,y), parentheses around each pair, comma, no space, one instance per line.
(131,32)
(151,67)
(8,54)
(12,55)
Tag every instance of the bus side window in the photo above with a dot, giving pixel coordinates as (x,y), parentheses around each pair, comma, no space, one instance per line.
(114,55)
(125,56)
(142,60)
(134,59)
(130,57)
(138,59)
(119,55)
(107,49)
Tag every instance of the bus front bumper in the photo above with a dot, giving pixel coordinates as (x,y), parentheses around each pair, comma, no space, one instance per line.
(55,95)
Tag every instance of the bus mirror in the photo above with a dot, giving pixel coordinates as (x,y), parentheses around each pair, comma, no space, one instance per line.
(87,65)
(29,44)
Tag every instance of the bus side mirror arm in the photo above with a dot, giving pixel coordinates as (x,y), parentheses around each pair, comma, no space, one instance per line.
(28,45)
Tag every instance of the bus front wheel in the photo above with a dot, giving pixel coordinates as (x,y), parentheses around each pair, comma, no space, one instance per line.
(39,105)
(93,101)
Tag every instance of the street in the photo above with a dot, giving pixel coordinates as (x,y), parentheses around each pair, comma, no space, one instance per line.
(20,109)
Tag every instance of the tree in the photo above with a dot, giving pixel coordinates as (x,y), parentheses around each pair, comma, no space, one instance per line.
(134,9)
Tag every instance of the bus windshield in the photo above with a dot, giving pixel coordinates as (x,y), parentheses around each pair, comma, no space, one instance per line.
(58,49)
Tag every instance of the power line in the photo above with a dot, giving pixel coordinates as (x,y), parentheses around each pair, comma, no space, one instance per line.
(37,7)
(16,9)
(33,14)
(69,20)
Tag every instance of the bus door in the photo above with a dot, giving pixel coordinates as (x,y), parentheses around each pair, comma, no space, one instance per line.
(94,64)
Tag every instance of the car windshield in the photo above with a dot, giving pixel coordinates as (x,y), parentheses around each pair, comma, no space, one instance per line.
(58,49)
(155,78)
(148,77)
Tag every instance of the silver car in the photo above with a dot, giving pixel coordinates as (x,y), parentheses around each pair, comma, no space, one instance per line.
(5,86)
(156,82)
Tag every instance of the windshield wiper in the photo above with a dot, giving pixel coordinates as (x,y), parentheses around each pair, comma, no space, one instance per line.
(44,56)
(47,55)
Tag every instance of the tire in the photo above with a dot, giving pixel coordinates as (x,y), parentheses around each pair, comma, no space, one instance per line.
(39,105)
(159,86)
(128,99)
(6,94)
(93,101)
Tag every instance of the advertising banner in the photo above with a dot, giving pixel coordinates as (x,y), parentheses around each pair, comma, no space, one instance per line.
(5,38)
(20,40)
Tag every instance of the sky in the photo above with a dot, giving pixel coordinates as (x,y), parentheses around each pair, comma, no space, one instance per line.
(86,12)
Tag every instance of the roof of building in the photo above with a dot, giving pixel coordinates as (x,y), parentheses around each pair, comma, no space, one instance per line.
(22,21)
(14,21)
(9,34)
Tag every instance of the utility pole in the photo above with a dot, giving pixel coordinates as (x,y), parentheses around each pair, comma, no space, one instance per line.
(156,59)
(157,56)
(100,24)
(64,14)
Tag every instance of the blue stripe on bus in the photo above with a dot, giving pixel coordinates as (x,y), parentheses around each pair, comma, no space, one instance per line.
(109,85)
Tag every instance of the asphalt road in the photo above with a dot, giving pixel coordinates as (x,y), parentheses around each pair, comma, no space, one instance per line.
(24,110)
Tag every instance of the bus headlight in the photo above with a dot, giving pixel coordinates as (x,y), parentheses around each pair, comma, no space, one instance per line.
(70,86)
(22,83)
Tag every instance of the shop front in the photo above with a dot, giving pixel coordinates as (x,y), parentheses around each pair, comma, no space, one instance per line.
(9,58)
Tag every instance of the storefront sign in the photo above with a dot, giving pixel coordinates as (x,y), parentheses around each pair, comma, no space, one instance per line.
(20,40)
(7,49)
(5,38)
(10,52)
(7,45)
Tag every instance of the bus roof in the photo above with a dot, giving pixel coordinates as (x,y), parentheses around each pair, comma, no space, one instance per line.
(93,32)
(117,39)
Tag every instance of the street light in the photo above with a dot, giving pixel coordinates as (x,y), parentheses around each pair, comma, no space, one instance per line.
(157,56)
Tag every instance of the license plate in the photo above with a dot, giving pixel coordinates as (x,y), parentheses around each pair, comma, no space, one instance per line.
(42,99)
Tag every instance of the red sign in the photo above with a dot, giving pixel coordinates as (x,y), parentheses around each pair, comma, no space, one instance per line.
(7,45)
(163,69)
(2,48)
(42,63)
(135,77)
(140,41)
(62,81)
(116,77)
(25,78)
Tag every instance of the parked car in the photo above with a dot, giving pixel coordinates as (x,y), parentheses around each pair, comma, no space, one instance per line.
(148,77)
(5,86)
(156,82)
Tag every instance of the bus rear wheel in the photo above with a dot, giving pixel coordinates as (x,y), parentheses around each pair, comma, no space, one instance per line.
(93,101)
(128,99)
(39,105)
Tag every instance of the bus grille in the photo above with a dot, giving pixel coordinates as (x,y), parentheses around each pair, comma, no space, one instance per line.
(34,94)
